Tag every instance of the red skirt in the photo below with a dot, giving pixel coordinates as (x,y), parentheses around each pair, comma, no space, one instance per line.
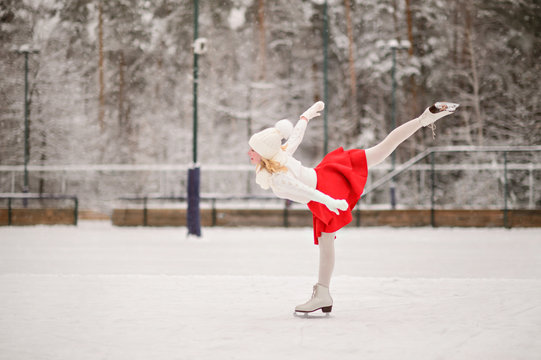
(341,175)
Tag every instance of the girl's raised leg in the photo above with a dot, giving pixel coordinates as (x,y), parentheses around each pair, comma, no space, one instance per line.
(381,151)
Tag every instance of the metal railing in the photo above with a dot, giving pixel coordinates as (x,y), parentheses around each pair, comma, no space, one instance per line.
(412,164)
(430,152)
(212,198)
(31,196)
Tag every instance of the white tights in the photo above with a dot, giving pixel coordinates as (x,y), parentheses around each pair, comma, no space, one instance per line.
(381,151)
(326,258)
(374,156)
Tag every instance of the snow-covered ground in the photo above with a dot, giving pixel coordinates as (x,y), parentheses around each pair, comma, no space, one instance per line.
(100,292)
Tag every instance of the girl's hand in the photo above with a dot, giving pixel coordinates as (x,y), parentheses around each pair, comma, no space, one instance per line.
(335,205)
(313,111)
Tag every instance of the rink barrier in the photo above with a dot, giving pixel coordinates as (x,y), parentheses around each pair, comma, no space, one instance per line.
(295,217)
(178,217)
(430,152)
(38,216)
(449,218)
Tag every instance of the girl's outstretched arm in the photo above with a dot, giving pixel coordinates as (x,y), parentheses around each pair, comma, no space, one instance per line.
(298,132)
(288,187)
(296,137)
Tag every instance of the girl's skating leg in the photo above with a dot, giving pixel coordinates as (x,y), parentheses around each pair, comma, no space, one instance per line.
(326,258)
(321,297)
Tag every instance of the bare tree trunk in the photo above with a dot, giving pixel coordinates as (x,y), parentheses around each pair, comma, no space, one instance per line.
(315,81)
(352,75)
(157,88)
(43,145)
(395,20)
(131,128)
(43,159)
(410,26)
(101,97)
(413,100)
(121,63)
(475,76)
(262,41)
(455,32)
(414,105)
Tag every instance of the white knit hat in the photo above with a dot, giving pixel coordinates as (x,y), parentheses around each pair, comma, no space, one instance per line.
(268,142)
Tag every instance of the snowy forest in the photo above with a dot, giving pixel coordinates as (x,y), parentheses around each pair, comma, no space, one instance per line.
(111,82)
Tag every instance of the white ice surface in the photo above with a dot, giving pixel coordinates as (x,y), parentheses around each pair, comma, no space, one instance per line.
(100,292)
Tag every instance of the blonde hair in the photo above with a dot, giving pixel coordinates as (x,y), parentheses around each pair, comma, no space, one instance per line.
(270,165)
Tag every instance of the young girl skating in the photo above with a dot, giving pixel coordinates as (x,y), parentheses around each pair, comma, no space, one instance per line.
(331,189)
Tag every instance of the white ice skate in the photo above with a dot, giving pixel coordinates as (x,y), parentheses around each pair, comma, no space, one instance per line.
(321,299)
(436,112)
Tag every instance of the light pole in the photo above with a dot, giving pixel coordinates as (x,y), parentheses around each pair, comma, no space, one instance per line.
(194,173)
(25,50)
(394,45)
(325,79)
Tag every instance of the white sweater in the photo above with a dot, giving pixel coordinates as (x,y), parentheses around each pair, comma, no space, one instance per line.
(299,182)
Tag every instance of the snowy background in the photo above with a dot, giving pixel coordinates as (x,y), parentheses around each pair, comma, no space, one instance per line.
(112,85)
(102,292)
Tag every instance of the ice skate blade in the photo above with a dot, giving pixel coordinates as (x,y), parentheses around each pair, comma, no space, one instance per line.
(311,315)
(325,309)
